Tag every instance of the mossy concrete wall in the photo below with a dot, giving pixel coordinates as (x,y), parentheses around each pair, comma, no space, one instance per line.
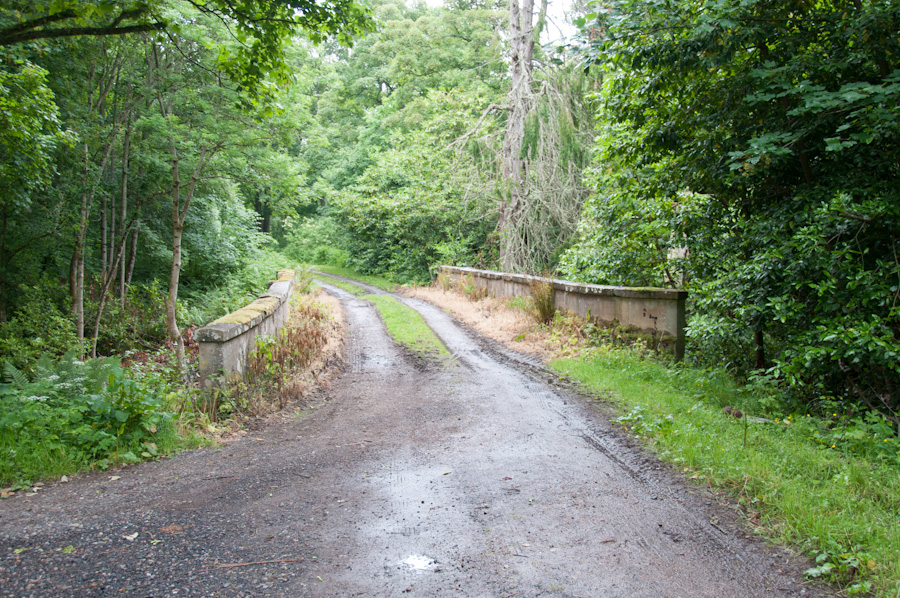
(658,313)
(226,343)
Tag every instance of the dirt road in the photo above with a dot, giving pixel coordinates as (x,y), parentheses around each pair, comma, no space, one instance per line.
(476,478)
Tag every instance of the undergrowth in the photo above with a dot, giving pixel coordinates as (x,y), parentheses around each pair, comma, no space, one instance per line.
(276,372)
(64,416)
(830,486)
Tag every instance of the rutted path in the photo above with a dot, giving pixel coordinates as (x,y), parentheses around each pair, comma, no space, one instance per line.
(477,478)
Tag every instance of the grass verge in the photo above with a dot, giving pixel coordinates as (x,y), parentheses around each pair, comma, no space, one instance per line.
(375,281)
(407,327)
(829,488)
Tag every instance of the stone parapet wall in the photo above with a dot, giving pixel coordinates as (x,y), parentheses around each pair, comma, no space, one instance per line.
(226,343)
(660,312)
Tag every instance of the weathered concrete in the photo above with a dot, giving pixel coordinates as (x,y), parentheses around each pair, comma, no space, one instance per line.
(226,343)
(658,312)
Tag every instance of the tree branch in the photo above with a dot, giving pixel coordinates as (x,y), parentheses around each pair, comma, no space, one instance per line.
(31,30)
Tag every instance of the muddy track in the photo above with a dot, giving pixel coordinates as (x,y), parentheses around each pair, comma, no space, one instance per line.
(482,477)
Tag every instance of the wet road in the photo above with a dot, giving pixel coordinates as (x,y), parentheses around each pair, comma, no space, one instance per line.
(476,478)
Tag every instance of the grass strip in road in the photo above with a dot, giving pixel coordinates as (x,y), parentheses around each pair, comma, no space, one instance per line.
(375,281)
(802,481)
(407,327)
(353,289)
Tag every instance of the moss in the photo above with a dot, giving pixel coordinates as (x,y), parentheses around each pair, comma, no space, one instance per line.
(245,315)
(285,275)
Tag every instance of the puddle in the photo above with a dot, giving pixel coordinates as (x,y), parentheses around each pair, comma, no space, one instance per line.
(417,562)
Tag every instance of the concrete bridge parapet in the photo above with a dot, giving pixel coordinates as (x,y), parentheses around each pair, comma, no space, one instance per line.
(226,343)
(654,311)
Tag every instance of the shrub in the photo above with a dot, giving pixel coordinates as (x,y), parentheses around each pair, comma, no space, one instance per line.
(317,241)
(69,415)
(38,327)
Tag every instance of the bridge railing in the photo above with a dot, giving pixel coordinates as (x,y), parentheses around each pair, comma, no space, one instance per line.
(226,343)
(656,312)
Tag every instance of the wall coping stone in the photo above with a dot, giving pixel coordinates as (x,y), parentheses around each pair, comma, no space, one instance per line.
(248,317)
(577,287)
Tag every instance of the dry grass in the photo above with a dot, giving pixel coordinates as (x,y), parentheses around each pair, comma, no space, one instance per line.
(323,366)
(508,323)
(291,392)
(543,307)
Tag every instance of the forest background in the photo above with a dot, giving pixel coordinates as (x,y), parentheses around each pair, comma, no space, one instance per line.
(155,154)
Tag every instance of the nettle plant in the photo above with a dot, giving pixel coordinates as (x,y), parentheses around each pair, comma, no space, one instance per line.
(69,414)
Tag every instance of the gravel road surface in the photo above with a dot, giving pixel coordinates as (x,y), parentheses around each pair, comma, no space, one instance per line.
(481,477)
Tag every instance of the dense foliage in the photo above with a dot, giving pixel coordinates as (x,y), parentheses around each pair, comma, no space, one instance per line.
(397,193)
(68,415)
(143,145)
(763,137)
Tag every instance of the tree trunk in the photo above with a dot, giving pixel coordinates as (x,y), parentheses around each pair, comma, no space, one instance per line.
(104,258)
(760,352)
(513,170)
(3,265)
(112,234)
(104,292)
(77,271)
(179,213)
(133,253)
(126,148)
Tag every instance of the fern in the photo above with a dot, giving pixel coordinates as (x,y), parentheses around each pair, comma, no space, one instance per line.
(18,379)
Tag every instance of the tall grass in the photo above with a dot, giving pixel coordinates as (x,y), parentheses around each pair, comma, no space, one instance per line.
(542,304)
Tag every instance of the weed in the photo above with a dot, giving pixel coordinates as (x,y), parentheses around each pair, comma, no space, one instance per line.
(443,281)
(542,299)
(303,281)
(517,303)
(470,289)
(276,360)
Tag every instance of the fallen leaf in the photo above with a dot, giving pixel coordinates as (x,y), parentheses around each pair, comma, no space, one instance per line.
(131,537)
(447,473)
(68,549)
